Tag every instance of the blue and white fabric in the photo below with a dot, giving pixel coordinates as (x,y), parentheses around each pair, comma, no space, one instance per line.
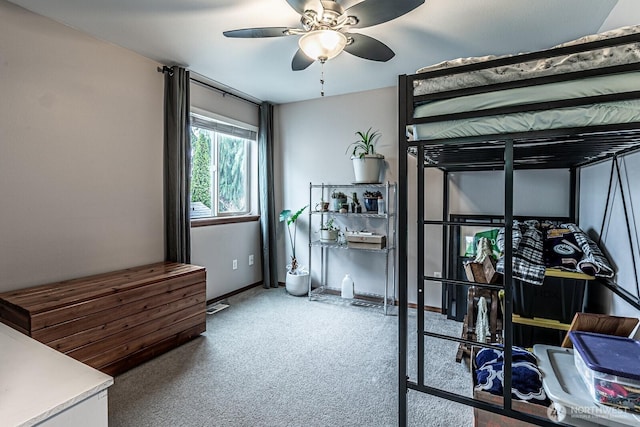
(526,379)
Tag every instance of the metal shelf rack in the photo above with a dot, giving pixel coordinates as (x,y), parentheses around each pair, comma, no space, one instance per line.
(385,222)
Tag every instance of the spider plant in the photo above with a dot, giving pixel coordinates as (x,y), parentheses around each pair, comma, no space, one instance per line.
(366,144)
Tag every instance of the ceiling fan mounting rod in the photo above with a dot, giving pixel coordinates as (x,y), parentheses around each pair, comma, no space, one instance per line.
(331,18)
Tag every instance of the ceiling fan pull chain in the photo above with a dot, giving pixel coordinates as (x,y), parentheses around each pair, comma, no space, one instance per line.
(322,78)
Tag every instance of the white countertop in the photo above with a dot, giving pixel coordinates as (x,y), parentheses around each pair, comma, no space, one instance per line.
(38,382)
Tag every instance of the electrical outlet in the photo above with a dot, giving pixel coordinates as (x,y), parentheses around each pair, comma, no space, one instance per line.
(437,274)
(251,259)
(235,264)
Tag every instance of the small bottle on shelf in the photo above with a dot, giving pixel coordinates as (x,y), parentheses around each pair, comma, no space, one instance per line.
(380,206)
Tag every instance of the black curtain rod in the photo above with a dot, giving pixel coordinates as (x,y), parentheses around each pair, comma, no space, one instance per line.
(165,69)
(223,92)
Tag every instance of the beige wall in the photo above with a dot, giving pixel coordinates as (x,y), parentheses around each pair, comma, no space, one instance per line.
(216,246)
(313,139)
(80,153)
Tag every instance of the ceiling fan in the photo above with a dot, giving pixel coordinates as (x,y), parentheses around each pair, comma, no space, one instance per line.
(325,29)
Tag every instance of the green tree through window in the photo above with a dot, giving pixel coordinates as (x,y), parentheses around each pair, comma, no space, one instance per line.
(219,168)
(232,178)
(201,167)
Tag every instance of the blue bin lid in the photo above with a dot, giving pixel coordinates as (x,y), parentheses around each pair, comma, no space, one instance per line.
(609,354)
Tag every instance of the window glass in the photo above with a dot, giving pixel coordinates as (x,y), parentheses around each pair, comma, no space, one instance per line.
(232,174)
(220,175)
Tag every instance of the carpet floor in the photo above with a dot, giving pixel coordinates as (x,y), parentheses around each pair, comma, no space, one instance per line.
(272,359)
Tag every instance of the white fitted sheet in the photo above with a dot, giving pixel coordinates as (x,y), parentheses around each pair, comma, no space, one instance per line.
(587,115)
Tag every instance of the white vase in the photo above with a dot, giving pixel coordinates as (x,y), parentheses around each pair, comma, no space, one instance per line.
(367,169)
(297,284)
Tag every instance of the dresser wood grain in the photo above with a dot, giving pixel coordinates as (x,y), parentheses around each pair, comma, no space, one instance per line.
(113,321)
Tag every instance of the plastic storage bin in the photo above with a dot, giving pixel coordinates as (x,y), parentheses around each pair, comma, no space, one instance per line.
(610,368)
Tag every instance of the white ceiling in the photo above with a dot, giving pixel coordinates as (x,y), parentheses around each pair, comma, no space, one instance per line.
(189,33)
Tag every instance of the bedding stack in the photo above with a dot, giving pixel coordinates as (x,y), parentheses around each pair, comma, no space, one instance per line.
(438,104)
(538,246)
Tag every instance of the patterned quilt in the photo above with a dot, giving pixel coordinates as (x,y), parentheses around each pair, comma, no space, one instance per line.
(529,252)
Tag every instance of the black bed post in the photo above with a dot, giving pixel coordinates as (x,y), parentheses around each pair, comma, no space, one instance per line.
(402,252)
(574,188)
(420,285)
(508,270)
(446,265)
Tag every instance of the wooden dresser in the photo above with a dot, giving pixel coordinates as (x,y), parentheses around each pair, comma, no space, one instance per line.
(113,321)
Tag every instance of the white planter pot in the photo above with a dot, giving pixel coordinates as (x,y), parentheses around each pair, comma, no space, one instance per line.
(328,235)
(297,284)
(367,169)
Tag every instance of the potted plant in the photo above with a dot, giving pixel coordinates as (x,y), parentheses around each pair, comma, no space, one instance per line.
(371,200)
(355,203)
(367,164)
(322,206)
(297,281)
(329,231)
(338,199)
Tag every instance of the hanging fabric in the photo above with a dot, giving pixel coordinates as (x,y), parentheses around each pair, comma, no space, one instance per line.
(177,164)
(482,322)
(267,203)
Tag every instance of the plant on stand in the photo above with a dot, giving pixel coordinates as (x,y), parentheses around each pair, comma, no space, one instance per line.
(371,200)
(339,199)
(297,277)
(329,231)
(366,162)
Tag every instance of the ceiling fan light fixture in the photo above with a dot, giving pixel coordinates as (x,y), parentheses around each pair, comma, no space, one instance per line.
(322,45)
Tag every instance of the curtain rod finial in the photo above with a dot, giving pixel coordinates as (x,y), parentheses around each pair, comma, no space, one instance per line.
(165,69)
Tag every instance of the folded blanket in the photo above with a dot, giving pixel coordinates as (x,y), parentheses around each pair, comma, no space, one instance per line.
(529,253)
(561,250)
(490,355)
(593,262)
(528,263)
(526,379)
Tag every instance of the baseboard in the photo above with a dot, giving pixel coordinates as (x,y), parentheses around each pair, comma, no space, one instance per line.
(426,307)
(232,293)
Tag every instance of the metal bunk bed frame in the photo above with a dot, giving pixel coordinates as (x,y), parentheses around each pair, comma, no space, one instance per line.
(574,148)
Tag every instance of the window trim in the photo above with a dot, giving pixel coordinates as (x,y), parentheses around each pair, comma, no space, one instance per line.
(236,219)
(250,211)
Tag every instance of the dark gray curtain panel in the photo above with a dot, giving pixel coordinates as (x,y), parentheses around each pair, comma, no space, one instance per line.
(267,204)
(177,163)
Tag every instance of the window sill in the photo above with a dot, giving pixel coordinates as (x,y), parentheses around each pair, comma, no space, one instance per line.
(205,222)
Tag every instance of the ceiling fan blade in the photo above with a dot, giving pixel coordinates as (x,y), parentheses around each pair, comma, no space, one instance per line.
(368,48)
(300,61)
(257,32)
(301,5)
(373,12)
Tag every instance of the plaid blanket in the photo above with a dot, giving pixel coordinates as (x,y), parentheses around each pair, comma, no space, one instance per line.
(528,263)
(528,259)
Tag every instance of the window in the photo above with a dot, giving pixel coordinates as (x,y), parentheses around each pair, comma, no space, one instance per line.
(220,171)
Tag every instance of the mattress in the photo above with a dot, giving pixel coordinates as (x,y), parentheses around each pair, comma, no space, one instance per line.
(586,115)
(626,111)
(628,53)
(617,112)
